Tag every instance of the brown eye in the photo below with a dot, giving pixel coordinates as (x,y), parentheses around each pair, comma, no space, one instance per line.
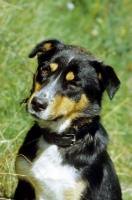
(45,70)
(72,85)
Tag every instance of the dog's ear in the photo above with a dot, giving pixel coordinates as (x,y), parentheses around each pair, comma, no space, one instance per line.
(46,46)
(108,78)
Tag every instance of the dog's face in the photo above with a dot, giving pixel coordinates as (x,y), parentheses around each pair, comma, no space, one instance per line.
(68,83)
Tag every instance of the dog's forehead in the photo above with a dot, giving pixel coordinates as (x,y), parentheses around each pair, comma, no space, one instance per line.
(71,63)
(64,56)
(70,57)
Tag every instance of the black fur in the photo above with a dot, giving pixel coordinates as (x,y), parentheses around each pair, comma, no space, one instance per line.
(89,154)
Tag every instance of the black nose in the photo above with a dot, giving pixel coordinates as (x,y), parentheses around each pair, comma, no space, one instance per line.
(39,104)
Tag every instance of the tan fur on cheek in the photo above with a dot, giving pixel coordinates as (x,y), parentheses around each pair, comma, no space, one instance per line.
(82,104)
(61,105)
(67,107)
(78,108)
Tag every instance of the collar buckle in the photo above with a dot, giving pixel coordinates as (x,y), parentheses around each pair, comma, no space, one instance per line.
(73,138)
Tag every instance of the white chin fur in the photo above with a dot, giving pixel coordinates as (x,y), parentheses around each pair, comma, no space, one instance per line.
(44,119)
(55,126)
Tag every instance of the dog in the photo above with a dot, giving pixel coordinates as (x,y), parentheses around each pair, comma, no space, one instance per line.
(64,155)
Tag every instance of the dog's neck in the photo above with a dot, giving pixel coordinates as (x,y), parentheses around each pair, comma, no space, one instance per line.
(61,125)
(70,136)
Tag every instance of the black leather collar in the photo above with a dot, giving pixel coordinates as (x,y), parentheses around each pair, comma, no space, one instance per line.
(60,140)
(71,137)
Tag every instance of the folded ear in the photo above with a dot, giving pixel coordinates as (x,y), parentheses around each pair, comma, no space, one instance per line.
(46,46)
(108,77)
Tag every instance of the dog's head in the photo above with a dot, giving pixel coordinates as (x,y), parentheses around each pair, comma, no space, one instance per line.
(69,83)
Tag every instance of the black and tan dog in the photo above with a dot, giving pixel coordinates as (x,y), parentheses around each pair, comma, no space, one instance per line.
(64,154)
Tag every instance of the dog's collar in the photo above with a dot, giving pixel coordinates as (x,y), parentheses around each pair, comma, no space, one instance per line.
(71,138)
(60,140)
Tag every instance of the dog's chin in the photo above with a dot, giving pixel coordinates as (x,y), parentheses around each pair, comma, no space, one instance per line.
(39,116)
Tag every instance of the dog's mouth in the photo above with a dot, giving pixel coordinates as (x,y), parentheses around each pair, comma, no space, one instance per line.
(58,118)
(40,115)
(36,116)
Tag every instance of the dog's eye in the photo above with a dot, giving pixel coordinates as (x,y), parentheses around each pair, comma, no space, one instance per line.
(45,70)
(72,85)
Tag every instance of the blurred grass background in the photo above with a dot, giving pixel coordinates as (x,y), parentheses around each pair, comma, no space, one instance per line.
(104,28)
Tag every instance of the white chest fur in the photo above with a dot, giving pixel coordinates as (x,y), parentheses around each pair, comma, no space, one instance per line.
(50,178)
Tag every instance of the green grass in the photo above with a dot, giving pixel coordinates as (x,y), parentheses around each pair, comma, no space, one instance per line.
(103,27)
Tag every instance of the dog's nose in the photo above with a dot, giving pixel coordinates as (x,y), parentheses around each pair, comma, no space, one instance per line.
(39,103)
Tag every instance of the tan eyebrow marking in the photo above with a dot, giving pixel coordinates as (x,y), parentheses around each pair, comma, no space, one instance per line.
(53,66)
(70,76)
